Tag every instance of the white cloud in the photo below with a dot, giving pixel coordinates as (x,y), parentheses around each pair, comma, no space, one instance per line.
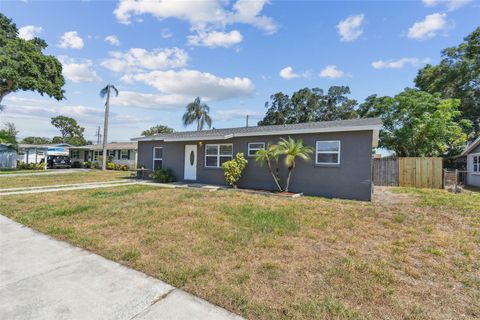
(247,11)
(429,27)
(351,28)
(166,33)
(45,109)
(201,15)
(214,39)
(450,4)
(72,40)
(332,72)
(150,101)
(29,32)
(234,114)
(193,83)
(137,59)
(78,70)
(113,40)
(398,64)
(287,73)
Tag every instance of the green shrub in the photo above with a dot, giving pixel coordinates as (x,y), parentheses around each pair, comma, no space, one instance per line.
(163,175)
(110,166)
(30,166)
(95,165)
(233,169)
(87,164)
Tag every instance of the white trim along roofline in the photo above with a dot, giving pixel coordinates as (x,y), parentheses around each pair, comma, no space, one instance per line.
(266,133)
(470,147)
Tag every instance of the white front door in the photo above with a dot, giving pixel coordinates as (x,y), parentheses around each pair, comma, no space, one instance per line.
(190,169)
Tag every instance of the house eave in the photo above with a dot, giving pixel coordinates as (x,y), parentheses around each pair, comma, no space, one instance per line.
(375,128)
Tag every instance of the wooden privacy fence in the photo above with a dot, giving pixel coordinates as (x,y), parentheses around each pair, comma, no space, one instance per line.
(408,172)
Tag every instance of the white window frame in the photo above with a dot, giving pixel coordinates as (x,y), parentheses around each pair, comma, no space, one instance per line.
(218,155)
(254,149)
(317,152)
(74,154)
(97,155)
(154,158)
(124,152)
(476,155)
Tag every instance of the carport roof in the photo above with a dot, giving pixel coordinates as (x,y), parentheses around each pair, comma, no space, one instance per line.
(110,146)
(374,124)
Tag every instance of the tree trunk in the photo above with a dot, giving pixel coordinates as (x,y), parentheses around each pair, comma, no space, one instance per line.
(273,176)
(288,178)
(105,131)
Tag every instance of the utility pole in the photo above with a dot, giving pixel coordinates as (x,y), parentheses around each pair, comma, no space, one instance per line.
(247,120)
(99,135)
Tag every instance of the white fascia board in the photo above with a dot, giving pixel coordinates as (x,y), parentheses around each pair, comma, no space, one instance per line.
(472,146)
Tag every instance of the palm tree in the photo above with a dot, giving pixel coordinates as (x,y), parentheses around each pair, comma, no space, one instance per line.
(293,149)
(106,92)
(266,156)
(197,111)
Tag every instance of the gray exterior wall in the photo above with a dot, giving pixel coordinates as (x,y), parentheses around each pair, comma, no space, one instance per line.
(352,179)
(473,178)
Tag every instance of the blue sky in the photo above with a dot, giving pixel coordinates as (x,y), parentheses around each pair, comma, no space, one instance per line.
(234,54)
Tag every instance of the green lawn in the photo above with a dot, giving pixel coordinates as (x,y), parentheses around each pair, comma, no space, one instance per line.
(413,254)
(20,171)
(63,178)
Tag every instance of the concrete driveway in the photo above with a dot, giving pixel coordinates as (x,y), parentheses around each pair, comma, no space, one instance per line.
(42,278)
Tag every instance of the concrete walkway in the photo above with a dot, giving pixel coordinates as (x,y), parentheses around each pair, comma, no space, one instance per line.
(42,278)
(48,171)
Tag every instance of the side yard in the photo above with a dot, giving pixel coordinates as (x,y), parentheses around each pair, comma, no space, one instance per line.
(65,178)
(415,256)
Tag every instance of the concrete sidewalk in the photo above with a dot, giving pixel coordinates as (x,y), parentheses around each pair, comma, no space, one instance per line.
(42,278)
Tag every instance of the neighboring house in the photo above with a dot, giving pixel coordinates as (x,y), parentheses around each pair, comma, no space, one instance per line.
(8,157)
(124,153)
(35,153)
(472,152)
(341,164)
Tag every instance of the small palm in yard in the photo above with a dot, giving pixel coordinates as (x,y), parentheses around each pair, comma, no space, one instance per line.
(197,111)
(106,92)
(293,149)
(268,155)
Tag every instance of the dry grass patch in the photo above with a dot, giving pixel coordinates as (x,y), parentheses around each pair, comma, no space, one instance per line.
(63,178)
(274,258)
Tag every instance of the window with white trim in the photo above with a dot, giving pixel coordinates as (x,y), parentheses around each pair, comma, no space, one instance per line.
(217,154)
(74,154)
(253,147)
(157,158)
(97,155)
(124,155)
(327,152)
(476,164)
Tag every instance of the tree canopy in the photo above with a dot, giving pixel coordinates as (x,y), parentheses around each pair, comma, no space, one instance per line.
(23,66)
(8,135)
(417,123)
(70,131)
(308,105)
(157,129)
(36,140)
(197,111)
(457,76)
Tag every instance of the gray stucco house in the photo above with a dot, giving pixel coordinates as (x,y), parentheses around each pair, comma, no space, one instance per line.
(472,152)
(341,165)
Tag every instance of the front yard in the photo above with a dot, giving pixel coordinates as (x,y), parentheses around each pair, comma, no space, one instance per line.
(413,254)
(63,178)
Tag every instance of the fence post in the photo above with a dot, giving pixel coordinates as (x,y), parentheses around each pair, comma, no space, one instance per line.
(456,180)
